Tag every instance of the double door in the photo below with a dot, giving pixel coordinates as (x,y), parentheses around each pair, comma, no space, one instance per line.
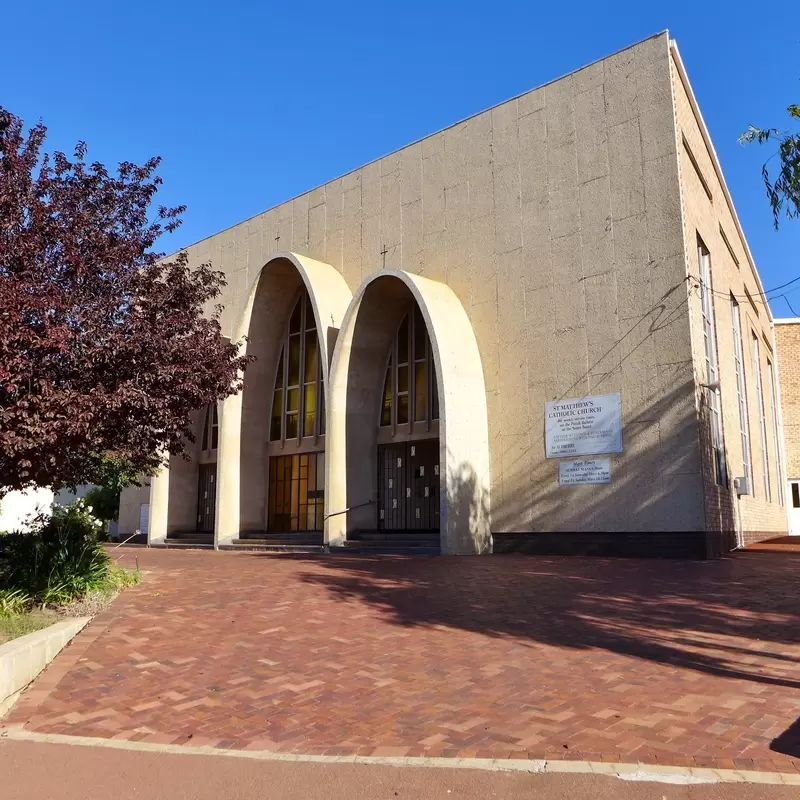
(408,486)
(206,498)
(296,493)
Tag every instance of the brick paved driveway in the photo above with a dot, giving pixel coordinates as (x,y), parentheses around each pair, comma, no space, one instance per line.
(671,662)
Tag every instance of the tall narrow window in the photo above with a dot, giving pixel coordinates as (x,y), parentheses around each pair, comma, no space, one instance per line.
(210,439)
(762,422)
(297,401)
(741,389)
(712,373)
(409,387)
(773,410)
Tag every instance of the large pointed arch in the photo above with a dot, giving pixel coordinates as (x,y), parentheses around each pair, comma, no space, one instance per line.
(355,386)
(245,419)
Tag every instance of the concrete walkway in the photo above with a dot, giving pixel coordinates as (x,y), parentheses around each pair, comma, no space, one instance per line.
(658,662)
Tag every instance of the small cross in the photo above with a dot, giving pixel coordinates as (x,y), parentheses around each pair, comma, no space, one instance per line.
(383,253)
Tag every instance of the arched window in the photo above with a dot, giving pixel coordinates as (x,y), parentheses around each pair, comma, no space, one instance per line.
(298,402)
(409,388)
(210,428)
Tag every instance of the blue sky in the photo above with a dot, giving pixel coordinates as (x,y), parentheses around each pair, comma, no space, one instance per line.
(252,103)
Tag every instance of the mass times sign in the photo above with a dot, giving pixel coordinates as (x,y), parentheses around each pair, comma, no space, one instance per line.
(583,426)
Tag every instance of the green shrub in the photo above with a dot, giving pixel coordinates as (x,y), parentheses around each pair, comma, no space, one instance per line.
(14,602)
(60,559)
(103,503)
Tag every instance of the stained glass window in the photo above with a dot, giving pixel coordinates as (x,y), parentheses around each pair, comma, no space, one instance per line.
(298,407)
(410,393)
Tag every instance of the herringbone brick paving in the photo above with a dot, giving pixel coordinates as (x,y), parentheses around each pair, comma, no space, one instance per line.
(684,663)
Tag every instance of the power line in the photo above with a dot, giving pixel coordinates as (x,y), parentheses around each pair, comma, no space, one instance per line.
(759,297)
(788,283)
(786,299)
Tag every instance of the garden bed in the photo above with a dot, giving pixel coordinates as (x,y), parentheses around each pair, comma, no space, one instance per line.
(56,570)
(16,625)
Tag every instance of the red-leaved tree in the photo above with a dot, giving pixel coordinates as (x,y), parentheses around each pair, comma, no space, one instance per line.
(105,349)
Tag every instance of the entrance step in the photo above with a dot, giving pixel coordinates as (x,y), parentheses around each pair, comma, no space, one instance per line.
(187,539)
(281,537)
(391,543)
(393,536)
(279,542)
(258,546)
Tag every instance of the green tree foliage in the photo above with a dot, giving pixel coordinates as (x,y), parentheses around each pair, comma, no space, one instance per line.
(103,502)
(783,191)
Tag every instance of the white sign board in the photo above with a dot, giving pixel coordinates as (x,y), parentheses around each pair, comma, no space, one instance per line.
(584,470)
(583,426)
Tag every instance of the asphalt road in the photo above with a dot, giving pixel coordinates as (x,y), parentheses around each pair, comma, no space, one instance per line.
(39,771)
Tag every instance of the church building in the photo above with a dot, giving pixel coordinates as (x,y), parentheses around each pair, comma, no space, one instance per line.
(540,329)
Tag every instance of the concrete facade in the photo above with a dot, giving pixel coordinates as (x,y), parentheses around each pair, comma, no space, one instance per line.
(550,243)
(131,502)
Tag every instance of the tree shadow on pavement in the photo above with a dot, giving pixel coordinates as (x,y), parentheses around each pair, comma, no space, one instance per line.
(733,617)
(788,742)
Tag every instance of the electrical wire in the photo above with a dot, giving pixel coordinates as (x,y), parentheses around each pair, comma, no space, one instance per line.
(786,299)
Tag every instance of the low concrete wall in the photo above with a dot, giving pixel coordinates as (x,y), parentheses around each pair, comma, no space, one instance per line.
(21,660)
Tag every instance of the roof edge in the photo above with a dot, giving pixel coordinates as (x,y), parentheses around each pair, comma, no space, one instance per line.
(426,136)
(676,57)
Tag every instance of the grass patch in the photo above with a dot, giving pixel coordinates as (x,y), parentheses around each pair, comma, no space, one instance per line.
(16,625)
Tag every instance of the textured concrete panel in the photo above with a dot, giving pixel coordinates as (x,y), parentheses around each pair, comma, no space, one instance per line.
(454,163)
(505,135)
(531,101)
(508,219)
(625,161)
(411,174)
(663,208)
(656,118)
(620,87)
(590,134)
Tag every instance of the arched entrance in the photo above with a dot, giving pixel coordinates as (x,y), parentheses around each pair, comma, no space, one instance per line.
(369,369)
(272,431)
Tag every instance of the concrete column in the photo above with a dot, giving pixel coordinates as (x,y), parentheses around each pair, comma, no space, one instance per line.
(228,470)
(159,507)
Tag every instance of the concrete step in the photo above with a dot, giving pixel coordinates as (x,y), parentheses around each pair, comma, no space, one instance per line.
(191,536)
(265,537)
(394,536)
(356,548)
(272,547)
(433,543)
(181,545)
(190,540)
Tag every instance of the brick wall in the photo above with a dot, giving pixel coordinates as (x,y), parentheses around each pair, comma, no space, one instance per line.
(706,214)
(787,339)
